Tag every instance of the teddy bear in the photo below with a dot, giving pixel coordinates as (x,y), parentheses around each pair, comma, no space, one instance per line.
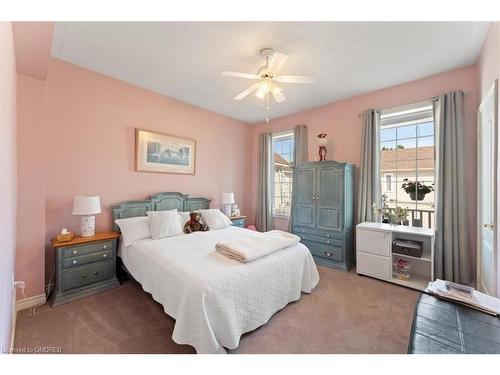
(194,224)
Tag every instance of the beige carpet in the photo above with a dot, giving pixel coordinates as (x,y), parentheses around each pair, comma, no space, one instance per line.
(345,313)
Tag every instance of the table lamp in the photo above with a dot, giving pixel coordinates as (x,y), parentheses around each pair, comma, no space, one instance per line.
(87,206)
(227,202)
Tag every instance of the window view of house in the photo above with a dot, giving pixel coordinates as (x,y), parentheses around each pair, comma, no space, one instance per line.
(407,163)
(282,163)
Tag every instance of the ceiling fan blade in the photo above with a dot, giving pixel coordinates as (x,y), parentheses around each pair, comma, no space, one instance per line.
(295,79)
(279,97)
(240,75)
(246,92)
(277,62)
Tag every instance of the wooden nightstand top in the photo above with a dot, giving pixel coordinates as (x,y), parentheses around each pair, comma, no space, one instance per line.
(237,217)
(78,239)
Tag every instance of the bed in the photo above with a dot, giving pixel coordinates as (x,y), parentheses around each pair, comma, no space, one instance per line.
(213,299)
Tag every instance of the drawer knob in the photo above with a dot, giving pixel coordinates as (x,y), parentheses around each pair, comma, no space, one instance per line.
(75,252)
(84,275)
(328,241)
(104,246)
(303,231)
(328,235)
(75,261)
(104,255)
(96,273)
(328,254)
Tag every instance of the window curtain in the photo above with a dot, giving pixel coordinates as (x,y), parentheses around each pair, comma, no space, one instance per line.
(451,250)
(264,220)
(299,156)
(370,186)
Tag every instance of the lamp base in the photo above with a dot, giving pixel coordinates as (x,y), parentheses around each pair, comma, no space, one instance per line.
(227,210)
(87,227)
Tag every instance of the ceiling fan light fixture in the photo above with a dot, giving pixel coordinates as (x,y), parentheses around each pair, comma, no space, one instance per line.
(261,94)
(266,85)
(276,90)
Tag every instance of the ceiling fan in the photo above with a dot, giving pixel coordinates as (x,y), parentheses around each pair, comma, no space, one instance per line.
(268,76)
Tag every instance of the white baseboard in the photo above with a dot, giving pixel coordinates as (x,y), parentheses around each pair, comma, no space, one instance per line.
(26,303)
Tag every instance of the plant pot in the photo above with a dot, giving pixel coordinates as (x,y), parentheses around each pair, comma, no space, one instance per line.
(417,197)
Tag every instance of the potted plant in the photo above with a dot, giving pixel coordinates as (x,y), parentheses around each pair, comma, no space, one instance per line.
(393,216)
(416,190)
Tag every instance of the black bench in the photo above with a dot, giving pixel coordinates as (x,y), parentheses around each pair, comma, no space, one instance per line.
(442,327)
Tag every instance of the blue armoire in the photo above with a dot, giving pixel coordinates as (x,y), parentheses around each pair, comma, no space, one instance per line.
(323,211)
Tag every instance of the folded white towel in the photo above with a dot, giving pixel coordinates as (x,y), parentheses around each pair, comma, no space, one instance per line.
(250,248)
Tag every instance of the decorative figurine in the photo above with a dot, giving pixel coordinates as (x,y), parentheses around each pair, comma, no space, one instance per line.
(235,211)
(322,142)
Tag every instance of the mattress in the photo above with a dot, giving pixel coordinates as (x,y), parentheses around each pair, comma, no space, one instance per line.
(214,299)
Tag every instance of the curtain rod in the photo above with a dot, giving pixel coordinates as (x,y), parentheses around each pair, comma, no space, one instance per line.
(420,101)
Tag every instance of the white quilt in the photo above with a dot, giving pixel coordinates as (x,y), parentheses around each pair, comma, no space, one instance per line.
(214,299)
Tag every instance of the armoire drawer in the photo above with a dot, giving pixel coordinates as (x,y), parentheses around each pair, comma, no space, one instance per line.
(324,251)
(299,231)
(321,239)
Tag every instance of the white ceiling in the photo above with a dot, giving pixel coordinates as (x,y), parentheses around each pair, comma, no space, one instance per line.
(184,59)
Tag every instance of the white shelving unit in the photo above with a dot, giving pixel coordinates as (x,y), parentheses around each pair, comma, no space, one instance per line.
(374,256)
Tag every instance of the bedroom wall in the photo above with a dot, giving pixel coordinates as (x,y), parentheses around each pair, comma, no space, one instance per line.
(7,181)
(31,151)
(489,70)
(91,121)
(341,121)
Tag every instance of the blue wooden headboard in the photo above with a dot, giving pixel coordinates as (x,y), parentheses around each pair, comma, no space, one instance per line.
(157,202)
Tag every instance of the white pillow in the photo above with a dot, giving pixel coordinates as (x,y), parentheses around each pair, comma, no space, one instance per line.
(134,229)
(164,224)
(215,219)
(183,217)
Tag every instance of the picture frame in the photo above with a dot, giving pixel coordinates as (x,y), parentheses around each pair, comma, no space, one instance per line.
(164,153)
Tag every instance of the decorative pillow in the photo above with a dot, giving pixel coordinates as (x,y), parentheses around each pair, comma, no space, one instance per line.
(164,224)
(183,217)
(215,219)
(134,229)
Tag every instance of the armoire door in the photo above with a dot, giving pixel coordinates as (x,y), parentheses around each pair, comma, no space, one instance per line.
(305,194)
(329,197)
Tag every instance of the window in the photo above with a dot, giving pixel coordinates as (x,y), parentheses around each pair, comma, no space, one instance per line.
(282,177)
(407,161)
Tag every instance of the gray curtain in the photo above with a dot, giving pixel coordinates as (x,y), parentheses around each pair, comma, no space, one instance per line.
(451,250)
(299,156)
(264,220)
(369,182)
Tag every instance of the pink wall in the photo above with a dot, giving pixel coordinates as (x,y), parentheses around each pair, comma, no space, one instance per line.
(33,41)
(91,121)
(342,123)
(489,71)
(8,178)
(31,172)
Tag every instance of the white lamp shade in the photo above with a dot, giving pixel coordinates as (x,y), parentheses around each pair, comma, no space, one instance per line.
(227,198)
(86,205)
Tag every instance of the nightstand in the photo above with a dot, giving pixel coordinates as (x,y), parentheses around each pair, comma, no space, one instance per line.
(238,221)
(84,266)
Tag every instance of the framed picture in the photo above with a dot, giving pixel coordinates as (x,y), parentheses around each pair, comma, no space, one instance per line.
(155,152)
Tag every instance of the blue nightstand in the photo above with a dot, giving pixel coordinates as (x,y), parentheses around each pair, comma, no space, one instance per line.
(238,221)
